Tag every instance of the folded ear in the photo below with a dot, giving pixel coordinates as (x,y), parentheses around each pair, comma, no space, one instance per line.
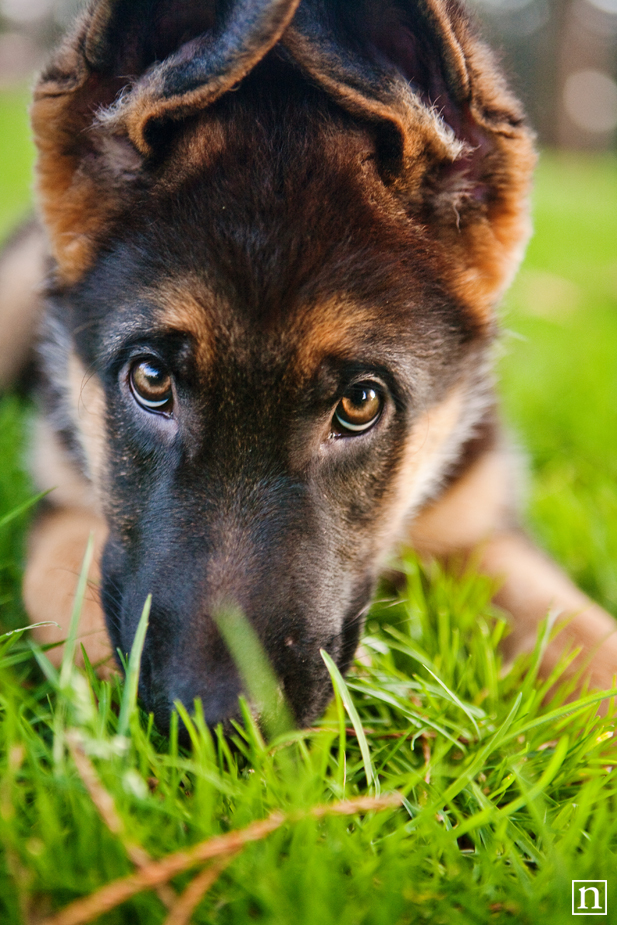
(451,139)
(130,67)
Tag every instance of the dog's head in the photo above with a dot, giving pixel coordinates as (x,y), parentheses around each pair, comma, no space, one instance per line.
(279,231)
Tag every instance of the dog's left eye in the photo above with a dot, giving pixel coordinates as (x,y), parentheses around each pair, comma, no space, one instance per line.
(358,410)
(151,385)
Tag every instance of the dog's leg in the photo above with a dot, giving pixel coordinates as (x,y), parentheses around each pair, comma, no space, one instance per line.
(56,551)
(477,514)
(57,546)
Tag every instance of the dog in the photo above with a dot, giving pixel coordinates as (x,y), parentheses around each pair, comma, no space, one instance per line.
(272,235)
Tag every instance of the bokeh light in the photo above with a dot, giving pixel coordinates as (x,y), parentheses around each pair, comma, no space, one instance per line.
(590,100)
(26,11)
(607,6)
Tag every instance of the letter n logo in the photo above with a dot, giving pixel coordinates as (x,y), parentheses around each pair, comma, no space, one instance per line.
(589,897)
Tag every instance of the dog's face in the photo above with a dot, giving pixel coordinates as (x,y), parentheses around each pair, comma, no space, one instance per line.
(272,313)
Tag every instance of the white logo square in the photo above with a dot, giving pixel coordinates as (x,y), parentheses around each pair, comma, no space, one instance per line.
(589,897)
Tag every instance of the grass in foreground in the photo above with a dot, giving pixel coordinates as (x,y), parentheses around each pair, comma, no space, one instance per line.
(477,802)
(502,800)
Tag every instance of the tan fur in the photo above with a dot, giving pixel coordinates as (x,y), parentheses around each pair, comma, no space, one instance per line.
(22,270)
(57,547)
(88,405)
(534,587)
(495,242)
(427,443)
(493,248)
(431,446)
(181,310)
(54,471)
(475,506)
(335,327)
(477,516)
(72,208)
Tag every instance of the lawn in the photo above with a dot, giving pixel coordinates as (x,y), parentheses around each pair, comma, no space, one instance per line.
(437,788)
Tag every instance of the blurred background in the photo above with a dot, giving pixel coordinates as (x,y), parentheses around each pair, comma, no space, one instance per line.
(561,56)
(562,59)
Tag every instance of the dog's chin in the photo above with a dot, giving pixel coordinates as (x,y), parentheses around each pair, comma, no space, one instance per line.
(217,699)
(223,712)
(220,711)
(216,695)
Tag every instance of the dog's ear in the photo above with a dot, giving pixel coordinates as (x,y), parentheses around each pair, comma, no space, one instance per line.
(130,67)
(450,137)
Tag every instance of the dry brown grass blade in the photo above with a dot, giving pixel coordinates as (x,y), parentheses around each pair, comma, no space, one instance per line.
(106,807)
(351,807)
(160,872)
(195,892)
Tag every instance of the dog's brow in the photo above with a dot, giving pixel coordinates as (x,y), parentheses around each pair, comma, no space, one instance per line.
(334,327)
(117,344)
(120,335)
(182,307)
(343,331)
(167,310)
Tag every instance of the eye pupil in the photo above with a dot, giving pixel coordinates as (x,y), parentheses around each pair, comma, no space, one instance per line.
(359,409)
(151,385)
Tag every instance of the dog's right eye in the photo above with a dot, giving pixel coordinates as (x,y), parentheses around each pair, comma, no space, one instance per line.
(151,385)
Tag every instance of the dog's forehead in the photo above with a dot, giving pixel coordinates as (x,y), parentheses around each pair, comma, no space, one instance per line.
(270,235)
(338,328)
(255,248)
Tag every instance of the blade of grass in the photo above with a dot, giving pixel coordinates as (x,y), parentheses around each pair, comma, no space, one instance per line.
(455,700)
(339,685)
(129,695)
(21,509)
(569,709)
(24,629)
(71,639)
(8,641)
(255,671)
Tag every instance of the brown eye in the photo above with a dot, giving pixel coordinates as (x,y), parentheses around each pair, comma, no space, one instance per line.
(151,385)
(359,409)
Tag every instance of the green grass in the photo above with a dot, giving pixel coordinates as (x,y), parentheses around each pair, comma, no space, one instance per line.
(559,374)
(16,155)
(505,799)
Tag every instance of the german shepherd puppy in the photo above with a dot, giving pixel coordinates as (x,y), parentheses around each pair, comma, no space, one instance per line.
(273,235)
